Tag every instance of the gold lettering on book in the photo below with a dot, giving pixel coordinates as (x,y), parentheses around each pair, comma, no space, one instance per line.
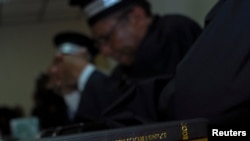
(184,130)
(152,137)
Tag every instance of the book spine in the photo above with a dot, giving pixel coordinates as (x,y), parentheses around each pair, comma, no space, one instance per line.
(166,131)
(184,130)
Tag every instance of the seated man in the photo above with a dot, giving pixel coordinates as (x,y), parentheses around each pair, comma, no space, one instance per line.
(145,45)
(75,76)
(212,81)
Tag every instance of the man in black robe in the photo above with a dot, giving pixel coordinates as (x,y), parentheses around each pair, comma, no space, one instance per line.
(211,81)
(145,45)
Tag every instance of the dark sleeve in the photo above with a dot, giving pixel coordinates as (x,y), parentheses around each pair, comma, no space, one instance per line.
(175,35)
(212,81)
(139,105)
(180,33)
(90,104)
(99,93)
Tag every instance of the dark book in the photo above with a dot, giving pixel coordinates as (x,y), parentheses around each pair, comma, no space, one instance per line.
(190,129)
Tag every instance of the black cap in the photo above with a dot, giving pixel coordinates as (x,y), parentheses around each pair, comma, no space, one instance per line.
(98,9)
(74,39)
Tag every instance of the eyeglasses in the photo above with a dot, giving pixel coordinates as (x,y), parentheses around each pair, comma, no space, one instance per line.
(107,37)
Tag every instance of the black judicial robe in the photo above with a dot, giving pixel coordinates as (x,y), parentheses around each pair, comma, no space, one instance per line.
(95,97)
(167,40)
(139,105)
(213,79)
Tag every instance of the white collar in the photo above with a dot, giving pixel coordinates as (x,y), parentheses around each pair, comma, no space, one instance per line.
(73,99)
(84,76)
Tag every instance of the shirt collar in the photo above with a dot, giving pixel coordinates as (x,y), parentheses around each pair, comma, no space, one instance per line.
(84,76)
(72,101)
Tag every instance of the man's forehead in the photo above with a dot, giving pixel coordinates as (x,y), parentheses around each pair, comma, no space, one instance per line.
(103,25)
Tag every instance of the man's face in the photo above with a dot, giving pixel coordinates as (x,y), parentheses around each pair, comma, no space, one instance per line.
(116,39)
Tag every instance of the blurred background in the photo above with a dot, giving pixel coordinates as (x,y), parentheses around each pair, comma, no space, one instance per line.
(26,31)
